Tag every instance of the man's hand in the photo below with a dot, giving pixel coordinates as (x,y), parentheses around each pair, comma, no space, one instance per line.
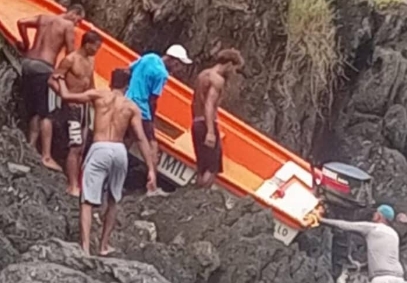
(58,77)
(210,140)
(151,181)
(21,47)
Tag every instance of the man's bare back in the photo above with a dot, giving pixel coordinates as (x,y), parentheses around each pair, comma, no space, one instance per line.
(208,80)
(113,115)
(53,33)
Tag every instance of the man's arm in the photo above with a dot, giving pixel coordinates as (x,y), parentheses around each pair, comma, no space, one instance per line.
(62,69)
(141,139)
(158,83)
(360,227)
(69,39)
(92,81)
(84,97)
(210,109)
(23,25)
(157,87)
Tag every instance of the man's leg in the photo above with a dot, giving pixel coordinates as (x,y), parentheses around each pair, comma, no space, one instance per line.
(86,223)
(46,144)
(209,160)
(34,130)
(109,222)
(76,142)
(154,152)
(94,173)
(72,170)
(115,182)
(85,133)
(206,180)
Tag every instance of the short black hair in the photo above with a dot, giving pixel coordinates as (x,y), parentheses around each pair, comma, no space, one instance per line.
(91,37)
(119,79)
(77,9)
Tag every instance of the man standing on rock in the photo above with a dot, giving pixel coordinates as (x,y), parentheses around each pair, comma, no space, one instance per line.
(53,33)
(106,161)
(208,93)
(78,68)
(382,244)
(149,75)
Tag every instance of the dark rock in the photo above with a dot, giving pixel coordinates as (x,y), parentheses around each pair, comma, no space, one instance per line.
(42,272)
(8,253)
(395,126)
(57,252)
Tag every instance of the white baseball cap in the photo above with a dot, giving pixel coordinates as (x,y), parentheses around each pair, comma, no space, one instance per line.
(179,52)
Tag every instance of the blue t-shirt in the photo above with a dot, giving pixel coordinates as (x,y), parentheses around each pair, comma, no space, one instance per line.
(148,77)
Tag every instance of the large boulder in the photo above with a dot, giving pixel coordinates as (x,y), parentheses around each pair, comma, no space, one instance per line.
(55,260)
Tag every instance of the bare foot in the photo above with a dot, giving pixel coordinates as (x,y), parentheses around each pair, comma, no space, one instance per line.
(51,164)
(86,252)
(157,192)
(73,191)
(107,251)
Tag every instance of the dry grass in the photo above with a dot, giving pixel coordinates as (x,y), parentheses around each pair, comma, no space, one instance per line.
(312,62)
(382,4)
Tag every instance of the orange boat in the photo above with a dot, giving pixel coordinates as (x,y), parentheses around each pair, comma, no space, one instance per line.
(253,163)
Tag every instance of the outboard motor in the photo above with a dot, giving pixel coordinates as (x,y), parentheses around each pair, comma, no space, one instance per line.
(347,193)
(344,186)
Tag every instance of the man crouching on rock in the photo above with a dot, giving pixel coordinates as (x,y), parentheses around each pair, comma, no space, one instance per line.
(106,161)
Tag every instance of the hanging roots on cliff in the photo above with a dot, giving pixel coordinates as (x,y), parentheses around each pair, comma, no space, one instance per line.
(312,63)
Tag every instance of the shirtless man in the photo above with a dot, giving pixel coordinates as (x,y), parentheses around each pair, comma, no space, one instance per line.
(78,68)
(106,160)
(207,97)
(53,33)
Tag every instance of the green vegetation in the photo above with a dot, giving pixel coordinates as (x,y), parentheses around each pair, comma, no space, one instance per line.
(312,62)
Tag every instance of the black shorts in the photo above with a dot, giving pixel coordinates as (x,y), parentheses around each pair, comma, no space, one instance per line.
(39,98)
(77,121)
(148,127)
(207,159)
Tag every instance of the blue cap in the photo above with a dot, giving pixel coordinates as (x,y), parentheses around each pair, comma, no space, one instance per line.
(387,211)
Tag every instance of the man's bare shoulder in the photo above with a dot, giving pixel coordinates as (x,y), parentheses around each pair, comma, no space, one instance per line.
(48,19)
(203,75)
(100,94)
(132,106)
(68,25)
(216,80)
(71,56)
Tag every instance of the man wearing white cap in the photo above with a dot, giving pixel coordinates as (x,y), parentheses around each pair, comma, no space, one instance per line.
(382,244)
(148,76)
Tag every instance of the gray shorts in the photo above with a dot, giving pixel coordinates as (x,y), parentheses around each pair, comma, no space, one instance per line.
(105,164)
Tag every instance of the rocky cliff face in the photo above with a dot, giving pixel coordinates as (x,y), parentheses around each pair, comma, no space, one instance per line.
(297,97)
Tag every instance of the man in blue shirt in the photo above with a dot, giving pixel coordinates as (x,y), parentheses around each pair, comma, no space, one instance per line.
(149,75)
